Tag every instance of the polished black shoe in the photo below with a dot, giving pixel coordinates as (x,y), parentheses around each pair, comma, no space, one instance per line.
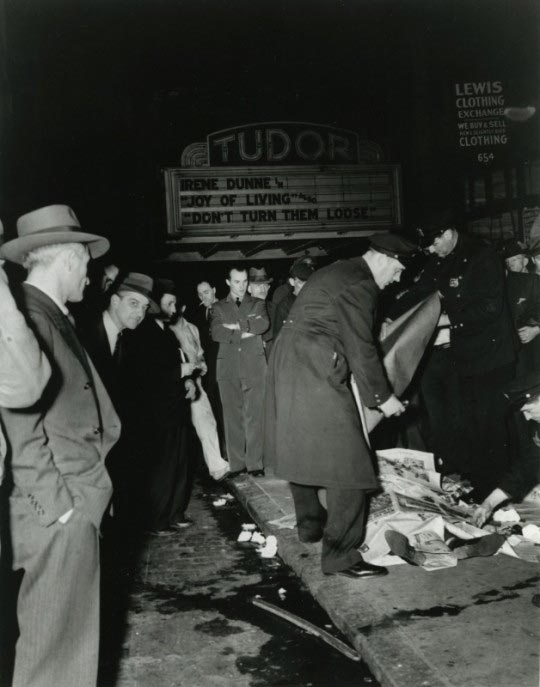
(256,473)
(362,569)
(235,473)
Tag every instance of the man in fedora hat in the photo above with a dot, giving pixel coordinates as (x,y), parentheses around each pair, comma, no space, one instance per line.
(259,287)
(237,324)
(514,255)
(313,432)
(473,353)
(58,448)
(106,338)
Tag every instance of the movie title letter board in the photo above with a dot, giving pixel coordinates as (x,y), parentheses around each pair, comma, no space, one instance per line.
(248,202)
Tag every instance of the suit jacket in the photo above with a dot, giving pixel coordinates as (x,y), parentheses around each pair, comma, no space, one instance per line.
(59,445)
(24,370)
(240,358)
(471,281)
(313,433)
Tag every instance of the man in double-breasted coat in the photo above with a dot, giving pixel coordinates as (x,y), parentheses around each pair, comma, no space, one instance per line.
(237,324)
(463,380)
(314,435)
(57,452)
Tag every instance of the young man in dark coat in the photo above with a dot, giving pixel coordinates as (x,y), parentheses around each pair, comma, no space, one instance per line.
(314,435)
(106,338)
(163,396)
(473,357)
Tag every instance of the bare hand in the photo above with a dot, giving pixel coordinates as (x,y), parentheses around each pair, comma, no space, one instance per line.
(191,390)
(481,515)
(233,327)
(246,335)
(392,407)
(188,369)
(528,333)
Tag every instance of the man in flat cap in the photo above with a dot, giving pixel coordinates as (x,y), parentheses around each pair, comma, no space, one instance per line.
(313,431)
(58,448)
(524,474)
(298,275)
(473,354)
(237,324)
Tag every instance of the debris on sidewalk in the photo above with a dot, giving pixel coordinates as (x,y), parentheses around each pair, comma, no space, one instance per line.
(282,592)
(244,536)
(308,627)
(269,550)
(223,500)
(506,515)
(258,538)
(249,526)
(531,532)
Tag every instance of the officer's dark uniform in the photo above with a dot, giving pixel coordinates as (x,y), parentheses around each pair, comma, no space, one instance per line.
(462,381)
(523,289)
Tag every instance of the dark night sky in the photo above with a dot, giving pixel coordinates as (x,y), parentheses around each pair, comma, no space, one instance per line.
(106,92)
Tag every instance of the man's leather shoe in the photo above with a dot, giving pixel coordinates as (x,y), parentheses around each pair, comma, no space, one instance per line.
(235,473)
(362,569)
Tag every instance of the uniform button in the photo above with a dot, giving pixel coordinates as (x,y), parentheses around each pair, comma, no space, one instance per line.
(87,385)
(240,349)
(96,430)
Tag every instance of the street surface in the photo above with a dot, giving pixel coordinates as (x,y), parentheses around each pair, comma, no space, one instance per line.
(183,615)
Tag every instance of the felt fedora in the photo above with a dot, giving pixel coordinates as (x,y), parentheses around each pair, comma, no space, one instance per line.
(511,248)
(258,276)
(47,226)
(138,283)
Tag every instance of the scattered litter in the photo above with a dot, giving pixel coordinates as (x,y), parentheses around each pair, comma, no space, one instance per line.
(308,627)
(269,550)
(244,536)
(249,527)
(328,626)
(506,515)
(219,502)
(258,538)
(282,593)
(532,533)
(228,497)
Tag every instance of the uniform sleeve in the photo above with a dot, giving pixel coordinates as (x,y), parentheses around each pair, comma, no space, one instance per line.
(355,310)
(219,333)
(482,302)
(24,369)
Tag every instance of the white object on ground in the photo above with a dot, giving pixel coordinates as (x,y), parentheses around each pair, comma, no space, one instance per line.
(219,502)
(532,533)
(506,515)
(244,536)
(258,538)
(249,526)
(269,550)
(228,497)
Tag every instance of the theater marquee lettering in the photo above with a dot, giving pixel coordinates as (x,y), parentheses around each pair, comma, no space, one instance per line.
(216,200)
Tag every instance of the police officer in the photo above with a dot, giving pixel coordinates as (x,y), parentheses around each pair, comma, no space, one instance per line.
(473,356)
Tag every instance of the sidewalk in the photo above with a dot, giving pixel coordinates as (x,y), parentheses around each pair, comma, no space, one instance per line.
(470,626)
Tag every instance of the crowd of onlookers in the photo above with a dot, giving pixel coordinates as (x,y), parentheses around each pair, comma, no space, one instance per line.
(102,400)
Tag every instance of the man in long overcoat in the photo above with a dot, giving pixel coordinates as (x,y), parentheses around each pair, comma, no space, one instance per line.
(314,434)
(58,447)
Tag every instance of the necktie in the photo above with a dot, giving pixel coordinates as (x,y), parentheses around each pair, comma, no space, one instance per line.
(117,353)
(238,302)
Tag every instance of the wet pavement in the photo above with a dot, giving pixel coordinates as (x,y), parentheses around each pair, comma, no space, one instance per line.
(183,615)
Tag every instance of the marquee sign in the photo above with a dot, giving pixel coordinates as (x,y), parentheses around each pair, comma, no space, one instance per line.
(221,197)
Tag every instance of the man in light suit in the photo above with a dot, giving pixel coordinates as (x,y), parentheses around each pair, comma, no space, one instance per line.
(237,324)
(58,447)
